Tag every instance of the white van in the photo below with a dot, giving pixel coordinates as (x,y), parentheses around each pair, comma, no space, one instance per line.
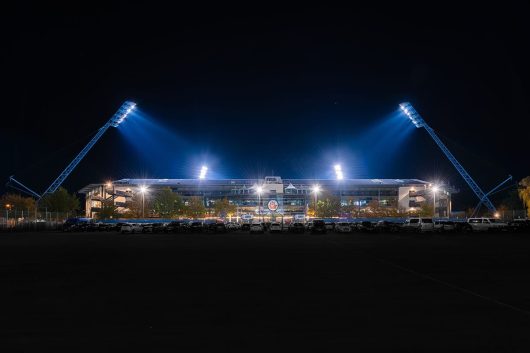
(482,224)
(419,224)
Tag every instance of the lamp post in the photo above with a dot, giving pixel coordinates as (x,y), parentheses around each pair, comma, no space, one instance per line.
(143,190)
(316,190)
(435,189)
(259,190)
(8,206)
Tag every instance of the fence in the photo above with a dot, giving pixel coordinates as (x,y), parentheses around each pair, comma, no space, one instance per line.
(23,220)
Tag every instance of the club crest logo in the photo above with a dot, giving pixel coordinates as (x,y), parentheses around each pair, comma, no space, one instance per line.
(272,205)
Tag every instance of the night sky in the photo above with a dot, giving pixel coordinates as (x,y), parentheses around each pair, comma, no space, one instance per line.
(251,92)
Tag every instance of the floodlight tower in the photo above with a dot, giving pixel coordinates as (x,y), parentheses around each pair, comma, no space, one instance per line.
(114,121)
(418,121)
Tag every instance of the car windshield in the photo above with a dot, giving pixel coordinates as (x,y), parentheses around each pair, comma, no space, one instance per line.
(427,220)
(414,220)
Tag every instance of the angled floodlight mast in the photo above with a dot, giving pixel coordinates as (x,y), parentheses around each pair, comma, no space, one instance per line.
(122,113)
(418,121)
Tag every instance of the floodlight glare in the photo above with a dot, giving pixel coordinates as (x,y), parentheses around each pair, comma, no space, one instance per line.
(259,189)
(338,172)
(202,174)
(122,113)
(435,188)
(143,189)
(316,188)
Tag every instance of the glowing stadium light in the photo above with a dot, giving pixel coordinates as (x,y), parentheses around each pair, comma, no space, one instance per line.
(412,114)
(202,174)
(435,188)
(316,188)
(143,189)
(338,172)
(259,190)
(122,113)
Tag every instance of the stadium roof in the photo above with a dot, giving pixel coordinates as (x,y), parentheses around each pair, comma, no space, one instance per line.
(251,182)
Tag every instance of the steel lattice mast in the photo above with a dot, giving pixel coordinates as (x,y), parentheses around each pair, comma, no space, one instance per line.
(418,121)
(114,121)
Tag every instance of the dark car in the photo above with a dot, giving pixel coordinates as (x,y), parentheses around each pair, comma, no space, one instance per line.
(196,227)
(147,228)
(387,227)
(175,227)
(245,227)
(366,226)
(318,227)
(159,228)
(519,226)
(296,227)
(217,228)
(463,227)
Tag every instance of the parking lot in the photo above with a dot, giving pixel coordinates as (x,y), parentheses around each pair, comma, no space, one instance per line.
(108,291)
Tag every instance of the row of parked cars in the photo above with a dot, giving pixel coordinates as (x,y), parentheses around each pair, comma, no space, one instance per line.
(314,226)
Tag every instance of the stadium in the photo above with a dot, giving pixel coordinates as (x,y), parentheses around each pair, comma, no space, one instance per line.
(272,197)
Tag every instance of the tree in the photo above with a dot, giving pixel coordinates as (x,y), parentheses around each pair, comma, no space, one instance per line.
(135,206)
(18,203)
(195,207)
(60,201)
(108,210)
(328,205)
(524,193)
(223,207)
(167,203)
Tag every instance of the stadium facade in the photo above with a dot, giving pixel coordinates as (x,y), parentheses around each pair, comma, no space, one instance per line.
(285,198)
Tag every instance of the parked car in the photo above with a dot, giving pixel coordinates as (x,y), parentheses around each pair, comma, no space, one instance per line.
(245,227)
(482,224)
(232,226)
(217,227)
(196,227)
(444,226)
(330,226)
(159,228)
(366,227)
(419,225)
(318,226)
(519,225)
(257,228)
(176,227)
(387,227)
(343,227)
(296,227)
(131,228)
(275,228)
(147,228)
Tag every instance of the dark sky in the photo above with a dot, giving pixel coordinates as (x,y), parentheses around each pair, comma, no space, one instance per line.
(254,91)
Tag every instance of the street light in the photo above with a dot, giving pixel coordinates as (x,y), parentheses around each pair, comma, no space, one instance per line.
(435,189)
(8,207)
(316,190)
(143,190)
(259,191)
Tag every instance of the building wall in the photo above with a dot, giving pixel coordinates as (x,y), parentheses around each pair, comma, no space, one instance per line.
(292,195)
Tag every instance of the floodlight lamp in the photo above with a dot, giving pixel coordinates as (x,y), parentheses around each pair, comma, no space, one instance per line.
(259,189)
(316,189)
(143,189)
(435,188)
(122,113)
(202,174)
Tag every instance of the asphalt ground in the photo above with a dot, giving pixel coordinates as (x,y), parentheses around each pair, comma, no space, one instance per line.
(99,292)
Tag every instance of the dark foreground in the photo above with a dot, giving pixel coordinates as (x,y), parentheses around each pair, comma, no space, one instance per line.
(416,293)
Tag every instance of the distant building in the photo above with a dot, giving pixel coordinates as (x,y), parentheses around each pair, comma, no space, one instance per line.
(286,198)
